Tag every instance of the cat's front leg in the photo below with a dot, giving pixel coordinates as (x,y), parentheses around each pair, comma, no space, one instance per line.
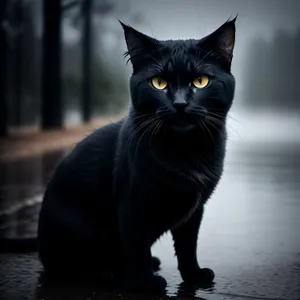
(185,243)
(135,229)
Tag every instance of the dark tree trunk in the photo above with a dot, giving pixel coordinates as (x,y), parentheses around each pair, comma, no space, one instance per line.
(19,63)
(3,73)
(86,61)
(52,109)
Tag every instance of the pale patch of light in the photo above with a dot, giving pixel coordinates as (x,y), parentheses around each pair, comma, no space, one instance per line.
(71,35)
(72,117)
(257,126)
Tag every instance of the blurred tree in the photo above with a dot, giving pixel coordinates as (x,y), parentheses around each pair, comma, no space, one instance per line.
(272,74)
(87,6)
(3,60)
(34,60)
(26,111)
(296,66)
(281,58)
(21,62)
(18,11)
(256,70)
(106,79)
(52,115)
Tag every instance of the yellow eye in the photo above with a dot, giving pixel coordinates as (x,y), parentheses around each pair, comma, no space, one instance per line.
(159,83)
(201,82)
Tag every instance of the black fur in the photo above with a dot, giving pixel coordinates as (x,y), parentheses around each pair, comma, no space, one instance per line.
(127,183)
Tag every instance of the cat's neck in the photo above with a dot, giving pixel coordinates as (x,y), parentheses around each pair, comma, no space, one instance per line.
(197,140)
(206,136)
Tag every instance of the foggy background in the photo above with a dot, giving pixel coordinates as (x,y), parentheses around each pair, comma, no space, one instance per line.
(266,56)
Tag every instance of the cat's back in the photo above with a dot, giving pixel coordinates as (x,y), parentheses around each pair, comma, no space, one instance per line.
(77,202)
(87,169)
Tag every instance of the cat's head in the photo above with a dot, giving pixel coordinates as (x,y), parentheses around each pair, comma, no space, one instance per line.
(184,82)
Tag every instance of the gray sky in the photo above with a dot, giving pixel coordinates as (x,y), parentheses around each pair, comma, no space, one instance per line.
(191,18)
(173,19)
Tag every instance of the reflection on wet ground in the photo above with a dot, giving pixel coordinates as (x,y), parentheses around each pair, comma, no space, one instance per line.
(22,184)
(249,235)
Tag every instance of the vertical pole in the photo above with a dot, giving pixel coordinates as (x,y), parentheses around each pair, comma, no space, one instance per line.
(18,84)
(3,73)
(86,61)
(52,110)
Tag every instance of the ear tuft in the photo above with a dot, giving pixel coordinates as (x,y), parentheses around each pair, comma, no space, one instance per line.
(222,40)
(227,37)
(139,45)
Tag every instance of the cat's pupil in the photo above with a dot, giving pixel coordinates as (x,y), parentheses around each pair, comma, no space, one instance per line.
(159,81)
(200,80)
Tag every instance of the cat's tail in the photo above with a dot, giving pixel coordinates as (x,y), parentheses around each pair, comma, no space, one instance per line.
(11,245)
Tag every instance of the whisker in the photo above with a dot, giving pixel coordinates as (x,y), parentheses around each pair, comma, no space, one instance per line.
(209,122)
(219,112)
(147,130)
(199,64)
(159,126)
(154,131)
(163,114)
(223,123)
(203,123)
(141,116)
(139,127)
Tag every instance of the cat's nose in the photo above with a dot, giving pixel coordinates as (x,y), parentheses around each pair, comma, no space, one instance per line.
(180,104)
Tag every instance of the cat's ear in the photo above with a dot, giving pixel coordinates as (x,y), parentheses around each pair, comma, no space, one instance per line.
(222,41)
(139,45)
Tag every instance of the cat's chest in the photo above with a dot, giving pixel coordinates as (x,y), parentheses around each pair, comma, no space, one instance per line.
(181,189)
(188,174)
(187,167)
(174,205)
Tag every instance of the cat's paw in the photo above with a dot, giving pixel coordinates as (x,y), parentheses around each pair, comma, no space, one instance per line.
(149,284)
(155,263)
(199,277)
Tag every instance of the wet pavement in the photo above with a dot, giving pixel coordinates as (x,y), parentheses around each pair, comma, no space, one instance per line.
(250,234)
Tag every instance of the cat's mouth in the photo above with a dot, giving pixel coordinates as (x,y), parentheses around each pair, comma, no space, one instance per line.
(181,122)
(182,126)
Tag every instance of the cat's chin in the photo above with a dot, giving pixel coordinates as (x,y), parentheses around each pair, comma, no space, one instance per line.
(182,128)
(181,124)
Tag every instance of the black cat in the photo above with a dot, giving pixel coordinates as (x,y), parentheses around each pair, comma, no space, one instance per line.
(129,182)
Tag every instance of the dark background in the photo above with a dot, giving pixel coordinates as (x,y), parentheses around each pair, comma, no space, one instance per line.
(62,75)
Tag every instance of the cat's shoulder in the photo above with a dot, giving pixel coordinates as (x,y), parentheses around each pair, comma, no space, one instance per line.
(104,134)
(96,145)
(90,157)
